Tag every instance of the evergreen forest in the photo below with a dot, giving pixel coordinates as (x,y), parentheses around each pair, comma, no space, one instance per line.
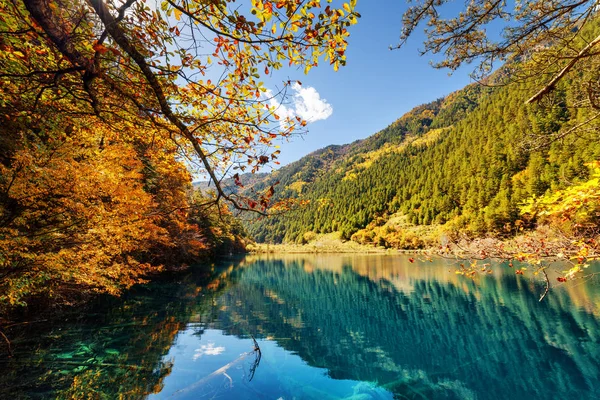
(477,162)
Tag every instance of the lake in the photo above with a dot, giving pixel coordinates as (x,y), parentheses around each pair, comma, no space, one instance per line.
(319,327)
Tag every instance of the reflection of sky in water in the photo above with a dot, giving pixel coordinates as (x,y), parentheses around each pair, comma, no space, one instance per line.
(222,372)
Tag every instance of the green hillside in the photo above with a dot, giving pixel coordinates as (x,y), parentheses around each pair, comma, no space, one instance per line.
(464,163)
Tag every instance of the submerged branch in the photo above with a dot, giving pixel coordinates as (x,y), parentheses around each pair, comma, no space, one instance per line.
(223,370)
(93,364)
(10,352)
(547,285)
(256,362)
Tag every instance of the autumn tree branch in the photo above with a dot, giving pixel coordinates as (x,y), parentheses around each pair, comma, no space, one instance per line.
(550,86)
(40,10)
(112,27)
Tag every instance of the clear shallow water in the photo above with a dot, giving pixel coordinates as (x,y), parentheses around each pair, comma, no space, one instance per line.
(328,327)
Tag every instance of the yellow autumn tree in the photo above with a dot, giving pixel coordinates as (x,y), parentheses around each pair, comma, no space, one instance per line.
(103,107)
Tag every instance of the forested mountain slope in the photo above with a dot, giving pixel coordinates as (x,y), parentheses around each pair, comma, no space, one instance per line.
(467,162)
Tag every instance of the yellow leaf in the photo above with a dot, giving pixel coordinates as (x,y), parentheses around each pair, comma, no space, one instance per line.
(177,14)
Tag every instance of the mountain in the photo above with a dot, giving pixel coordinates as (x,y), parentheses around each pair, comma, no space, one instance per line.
(461,164)
(248,180)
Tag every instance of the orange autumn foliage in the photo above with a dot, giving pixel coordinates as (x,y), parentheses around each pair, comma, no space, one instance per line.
(100,103)
(77,214)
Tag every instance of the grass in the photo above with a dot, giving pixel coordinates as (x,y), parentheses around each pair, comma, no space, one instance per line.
(324,243)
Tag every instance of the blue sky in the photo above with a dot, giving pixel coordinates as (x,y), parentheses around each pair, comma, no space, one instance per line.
(377,85)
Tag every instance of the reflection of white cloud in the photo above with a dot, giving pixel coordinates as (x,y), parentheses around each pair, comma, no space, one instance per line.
(209,350)
(305,103)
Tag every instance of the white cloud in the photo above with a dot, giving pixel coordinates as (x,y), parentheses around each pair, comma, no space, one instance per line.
(304,102)
(308,104)
(209,350)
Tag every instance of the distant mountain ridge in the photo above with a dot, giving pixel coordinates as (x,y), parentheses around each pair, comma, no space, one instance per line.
(248,180)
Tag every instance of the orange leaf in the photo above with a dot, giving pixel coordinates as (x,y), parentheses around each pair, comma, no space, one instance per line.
(100,48)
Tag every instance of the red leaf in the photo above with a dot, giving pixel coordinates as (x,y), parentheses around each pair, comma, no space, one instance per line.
(100,48)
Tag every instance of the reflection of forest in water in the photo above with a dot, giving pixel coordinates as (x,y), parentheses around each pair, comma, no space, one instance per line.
(113,348)
(382,319)
(418,329)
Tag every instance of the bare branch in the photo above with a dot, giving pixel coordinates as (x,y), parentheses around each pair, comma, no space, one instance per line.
(547,285)
(550,86)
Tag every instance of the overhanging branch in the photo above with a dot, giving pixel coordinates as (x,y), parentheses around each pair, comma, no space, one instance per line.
(45,17)
(112,27)
(551,85)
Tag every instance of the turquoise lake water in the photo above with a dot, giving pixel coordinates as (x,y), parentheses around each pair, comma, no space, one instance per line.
(320,327)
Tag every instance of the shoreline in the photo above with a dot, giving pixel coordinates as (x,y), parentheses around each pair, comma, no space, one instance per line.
(331,248)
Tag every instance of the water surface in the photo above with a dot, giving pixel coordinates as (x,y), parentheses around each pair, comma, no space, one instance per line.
(328,327)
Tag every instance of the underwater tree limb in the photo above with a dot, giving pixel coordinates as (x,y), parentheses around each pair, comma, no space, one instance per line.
(10,352)
(547,285)
(223,370)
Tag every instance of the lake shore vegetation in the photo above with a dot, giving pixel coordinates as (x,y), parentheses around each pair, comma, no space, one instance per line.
(106,110)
